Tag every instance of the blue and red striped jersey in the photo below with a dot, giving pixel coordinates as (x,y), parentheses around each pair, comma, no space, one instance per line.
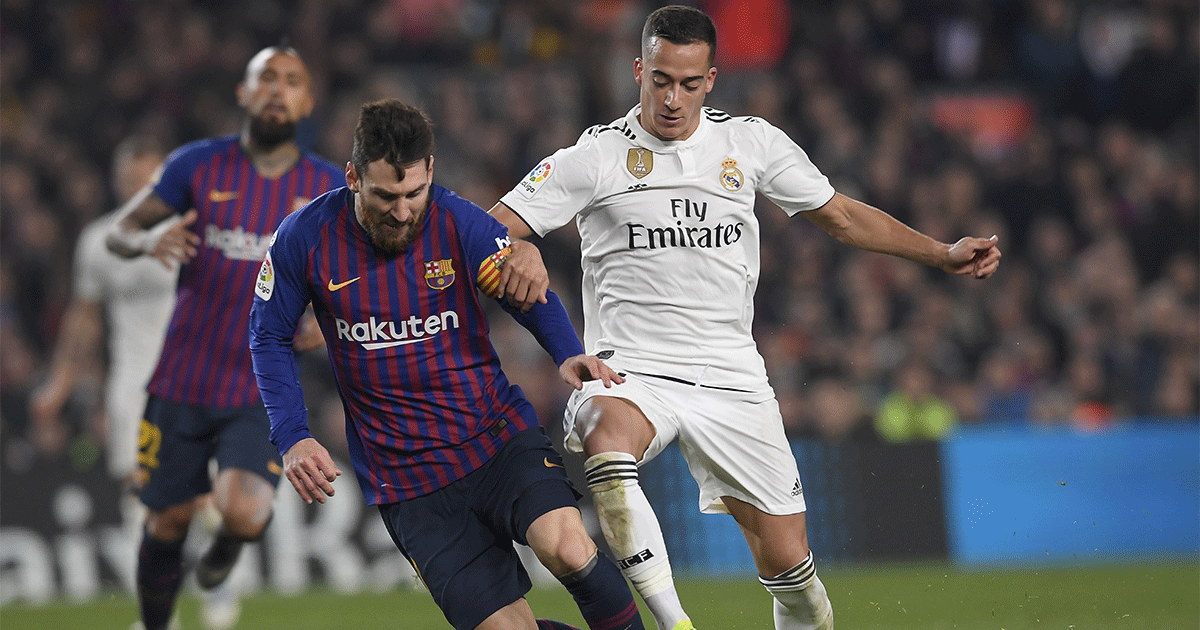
(425,398)
(205,358)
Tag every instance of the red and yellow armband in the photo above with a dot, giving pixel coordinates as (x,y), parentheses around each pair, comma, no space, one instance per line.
(489,272)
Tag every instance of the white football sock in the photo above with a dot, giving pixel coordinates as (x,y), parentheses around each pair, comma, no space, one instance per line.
(633,534)
(801,602)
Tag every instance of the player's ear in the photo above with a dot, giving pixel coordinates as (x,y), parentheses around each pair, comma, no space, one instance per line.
(429,171)
(637,70)
(351,177)
(712,77)
(241,93)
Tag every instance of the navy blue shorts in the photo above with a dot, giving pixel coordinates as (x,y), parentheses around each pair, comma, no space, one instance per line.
(460,537)
(177,440)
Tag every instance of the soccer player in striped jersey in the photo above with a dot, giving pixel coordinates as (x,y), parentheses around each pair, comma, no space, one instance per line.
(441,441)
(664,202)
(232,193)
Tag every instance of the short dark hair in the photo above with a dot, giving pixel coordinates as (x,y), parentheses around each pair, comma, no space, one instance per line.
(282,48)
(680,25)
(395,132)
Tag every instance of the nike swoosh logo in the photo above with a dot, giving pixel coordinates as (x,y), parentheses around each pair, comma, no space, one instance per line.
(334,287)
(549,464)
(218,196)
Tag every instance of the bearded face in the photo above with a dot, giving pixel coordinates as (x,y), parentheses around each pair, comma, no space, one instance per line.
(276,94)
(391,208)
(269,131)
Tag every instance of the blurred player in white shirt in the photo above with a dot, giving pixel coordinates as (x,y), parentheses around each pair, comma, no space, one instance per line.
(664,203)
(134,298)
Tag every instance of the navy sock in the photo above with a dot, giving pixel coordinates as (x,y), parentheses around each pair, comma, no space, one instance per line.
(159,575)
(603,597)
(550,624)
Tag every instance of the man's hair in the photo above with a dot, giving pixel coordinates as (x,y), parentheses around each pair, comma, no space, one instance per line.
(282,48)
(395,132)
(680,25)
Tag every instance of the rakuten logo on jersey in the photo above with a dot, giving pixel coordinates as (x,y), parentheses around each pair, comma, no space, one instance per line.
(237,244)
(376,334)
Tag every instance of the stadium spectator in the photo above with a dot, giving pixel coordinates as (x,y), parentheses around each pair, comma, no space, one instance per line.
(913,410)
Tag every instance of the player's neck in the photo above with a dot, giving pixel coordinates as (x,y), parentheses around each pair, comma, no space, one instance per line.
(271,162)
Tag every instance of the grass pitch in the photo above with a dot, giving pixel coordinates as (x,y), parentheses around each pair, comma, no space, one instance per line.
(1162,596)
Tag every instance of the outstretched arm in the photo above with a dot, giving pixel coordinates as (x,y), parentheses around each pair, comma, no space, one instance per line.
(855,223)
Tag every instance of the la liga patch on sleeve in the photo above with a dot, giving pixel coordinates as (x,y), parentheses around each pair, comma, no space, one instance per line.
(533,181)
(264,286)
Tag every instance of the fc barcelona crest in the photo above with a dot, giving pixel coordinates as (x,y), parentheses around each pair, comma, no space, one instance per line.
(639,162)
(439,274)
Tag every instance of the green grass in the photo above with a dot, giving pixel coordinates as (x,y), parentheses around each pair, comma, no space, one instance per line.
(1117,597)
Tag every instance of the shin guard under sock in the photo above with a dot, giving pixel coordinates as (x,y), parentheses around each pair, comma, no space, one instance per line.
(801,602)
(633,533)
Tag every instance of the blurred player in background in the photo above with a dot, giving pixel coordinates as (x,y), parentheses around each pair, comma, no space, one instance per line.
(130,301)
(449,450)
(134,298)
(664,202)
(232,193)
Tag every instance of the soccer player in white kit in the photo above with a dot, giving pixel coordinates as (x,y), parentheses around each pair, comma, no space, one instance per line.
(664,203)
(136,298)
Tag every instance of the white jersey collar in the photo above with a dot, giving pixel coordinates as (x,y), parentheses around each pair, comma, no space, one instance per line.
(648,140)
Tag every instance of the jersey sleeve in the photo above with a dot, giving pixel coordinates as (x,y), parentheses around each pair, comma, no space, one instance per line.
(790,179)
(280,297)
(557,188)
(173,182)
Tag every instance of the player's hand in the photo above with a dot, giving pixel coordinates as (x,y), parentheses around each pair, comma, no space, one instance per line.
(177,244)
(587,367)
(523,278)
(977,256)
(311,470)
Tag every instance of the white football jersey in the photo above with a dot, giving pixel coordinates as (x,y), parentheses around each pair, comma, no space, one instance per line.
(138,295)
(670,242)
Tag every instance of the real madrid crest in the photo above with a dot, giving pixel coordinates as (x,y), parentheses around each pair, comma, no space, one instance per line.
(731,177)
(640,162)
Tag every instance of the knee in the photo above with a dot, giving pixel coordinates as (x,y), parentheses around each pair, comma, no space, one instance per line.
(246,519)
(170,524)
(571,553)
(561,543)
(613,425)
(244,501)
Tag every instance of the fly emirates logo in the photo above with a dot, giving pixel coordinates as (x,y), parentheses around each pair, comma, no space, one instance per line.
(376,334)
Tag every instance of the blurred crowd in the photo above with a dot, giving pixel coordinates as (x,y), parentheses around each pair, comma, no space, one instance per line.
(1067,128)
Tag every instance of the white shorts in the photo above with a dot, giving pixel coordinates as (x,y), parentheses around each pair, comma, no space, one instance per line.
(733,447)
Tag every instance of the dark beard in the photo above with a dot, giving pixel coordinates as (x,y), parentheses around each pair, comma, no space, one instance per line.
(386,241)
(269,134)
